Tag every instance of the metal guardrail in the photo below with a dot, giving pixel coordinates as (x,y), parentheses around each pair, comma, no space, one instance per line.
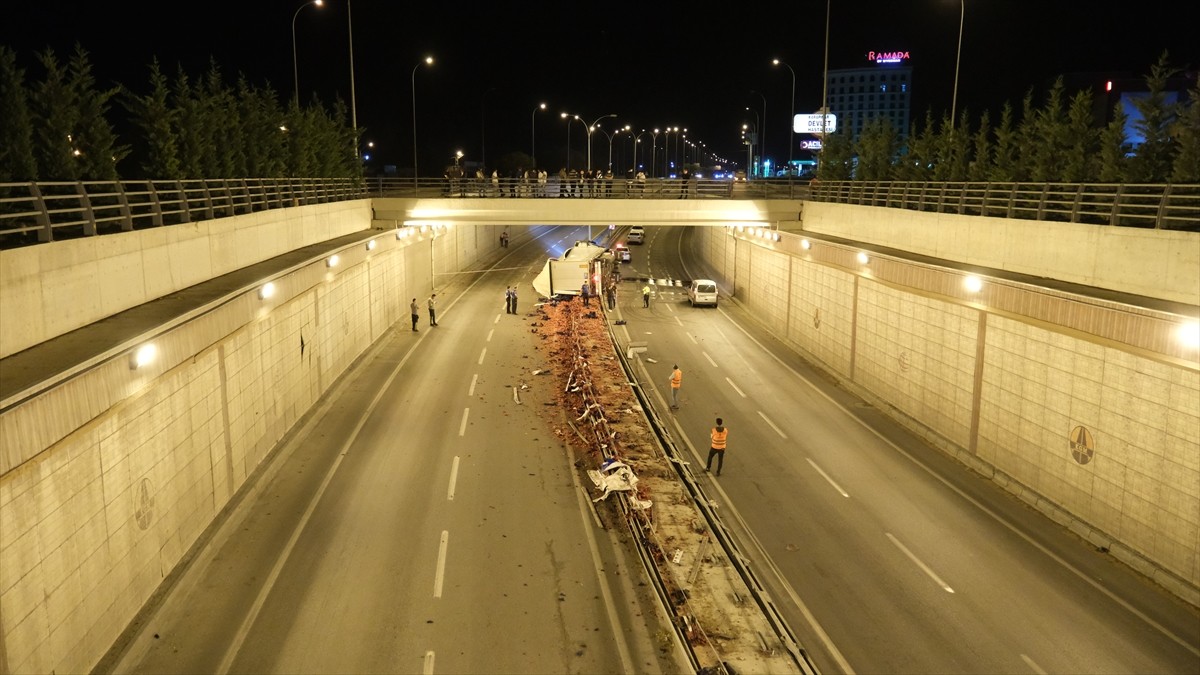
(40,212)
(1157,206)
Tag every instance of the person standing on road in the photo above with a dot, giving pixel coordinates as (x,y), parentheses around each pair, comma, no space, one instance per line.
(676,381)
(583,293)
(611,292)
(416,313)
(719,436)
(513,299)
(432,309)
(646,295)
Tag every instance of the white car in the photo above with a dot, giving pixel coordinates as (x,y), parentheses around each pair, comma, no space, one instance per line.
(702,292)
(637,235)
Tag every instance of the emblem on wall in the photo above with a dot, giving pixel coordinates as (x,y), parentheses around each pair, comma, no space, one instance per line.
(143,503)
(817,318)
(903,359)
(1083,445)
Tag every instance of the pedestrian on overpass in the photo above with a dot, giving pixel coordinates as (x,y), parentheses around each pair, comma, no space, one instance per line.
(416,313)
(646,295)
(676,381)
(719,436)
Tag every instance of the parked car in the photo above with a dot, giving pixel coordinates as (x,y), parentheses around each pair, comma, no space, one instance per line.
(622,253)
(702,292)
(637,235)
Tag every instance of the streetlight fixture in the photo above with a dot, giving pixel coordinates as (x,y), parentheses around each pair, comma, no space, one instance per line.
(762,130)
(295,68)
(958,56)
(792,120)
(589,130)
(653,151)
(353,104)
(612,136)
(428,61)
(568,117)
(533,126)
(757,137)
(636,140)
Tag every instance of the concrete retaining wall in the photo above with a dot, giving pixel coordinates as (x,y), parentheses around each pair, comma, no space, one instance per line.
(1155,263)
(50,289)
(115,473)
(1007,395)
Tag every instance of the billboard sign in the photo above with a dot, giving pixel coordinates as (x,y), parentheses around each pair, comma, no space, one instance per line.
(810,145)
(811,124)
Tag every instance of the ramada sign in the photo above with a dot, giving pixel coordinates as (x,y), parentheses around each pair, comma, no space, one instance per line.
(887,57)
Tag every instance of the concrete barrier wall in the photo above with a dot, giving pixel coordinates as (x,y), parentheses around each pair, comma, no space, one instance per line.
(1155,263)
(945,367)
(111,476)
(54,288)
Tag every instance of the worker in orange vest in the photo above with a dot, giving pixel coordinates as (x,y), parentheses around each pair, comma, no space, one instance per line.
(719,436)
(676,381)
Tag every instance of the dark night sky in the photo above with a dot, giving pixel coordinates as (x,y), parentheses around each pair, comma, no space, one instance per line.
(654,64)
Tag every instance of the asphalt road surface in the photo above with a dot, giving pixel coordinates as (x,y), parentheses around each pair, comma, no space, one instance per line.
(884,555)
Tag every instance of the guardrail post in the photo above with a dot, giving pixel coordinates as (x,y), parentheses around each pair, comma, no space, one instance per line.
(85,202)
(1012,200)
(208,201)
(1077,204)
(185,208)
(45,229)
(126,213)
(1115,214)
(1162,206)
(1041,212)
(155,204)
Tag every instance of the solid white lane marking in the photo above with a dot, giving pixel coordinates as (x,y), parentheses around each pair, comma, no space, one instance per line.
(768,421)
(710,359)
(735,388)
(462,426)
(826,477)
(1032,666)
(923,566)
(427,668)
(489,337)
(440,575)
(692,338)
(481,355)
(474,379)
(453,480)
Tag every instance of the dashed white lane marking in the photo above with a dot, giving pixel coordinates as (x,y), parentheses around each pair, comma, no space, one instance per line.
(826,477)
(735,388)
(481,355)
(440,575)
(692,338)
(453,480)
(1033,666)
(474,379)
(462,426)
(768,421)
(710,359)
(489,337)
(923,566)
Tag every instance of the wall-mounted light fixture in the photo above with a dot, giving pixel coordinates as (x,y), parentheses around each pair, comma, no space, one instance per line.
(266,291)
(972,284)
(332,261)
(143,356)
(863,258)
(371,245)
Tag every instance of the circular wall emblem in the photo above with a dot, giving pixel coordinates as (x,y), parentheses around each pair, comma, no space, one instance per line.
(817,318)
(143,503)
(1083,445)
(903,359)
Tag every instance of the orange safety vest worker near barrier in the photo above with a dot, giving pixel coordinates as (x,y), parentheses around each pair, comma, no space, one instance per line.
(676,382)
(719,436)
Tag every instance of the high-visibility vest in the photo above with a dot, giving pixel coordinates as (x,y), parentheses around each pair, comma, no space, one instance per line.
(676,379)
(719,435)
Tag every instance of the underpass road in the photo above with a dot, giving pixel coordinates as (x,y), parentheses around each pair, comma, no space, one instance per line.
(894,557)
(419,520)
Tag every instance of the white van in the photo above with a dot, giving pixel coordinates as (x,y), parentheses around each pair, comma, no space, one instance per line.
(637,235)
(702,292)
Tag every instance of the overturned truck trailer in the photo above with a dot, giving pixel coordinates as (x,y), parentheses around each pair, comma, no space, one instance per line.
(565,275)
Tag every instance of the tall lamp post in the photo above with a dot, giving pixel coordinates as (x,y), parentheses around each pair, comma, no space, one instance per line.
(792,119)
(428,61)
(589,131)
(653,151)
(295,68)
(568,117)
(958,56)
(757,137)
(533,126)
(762,130)
(636,139)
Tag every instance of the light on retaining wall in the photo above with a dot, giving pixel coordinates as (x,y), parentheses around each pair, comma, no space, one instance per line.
(144,356)
(863,259)
(805,244)
(1189,334)
(332,261)
(402,232)
(972,283)
(371,245)
(777,236)
(266,291)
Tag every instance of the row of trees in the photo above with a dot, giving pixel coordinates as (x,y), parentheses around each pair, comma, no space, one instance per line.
(1058,141)
(58,128)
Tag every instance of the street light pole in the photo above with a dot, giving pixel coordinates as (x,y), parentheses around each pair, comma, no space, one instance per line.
(295,68)
(589,136)
(533,126)
(762,130)
(428,61)
(353,104)
(792,121)
(954,100)
(653,151)
(757,138)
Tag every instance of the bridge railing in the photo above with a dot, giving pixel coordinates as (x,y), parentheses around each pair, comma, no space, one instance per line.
(39,212)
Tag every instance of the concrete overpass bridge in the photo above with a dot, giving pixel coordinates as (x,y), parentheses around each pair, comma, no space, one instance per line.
(1062,371)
